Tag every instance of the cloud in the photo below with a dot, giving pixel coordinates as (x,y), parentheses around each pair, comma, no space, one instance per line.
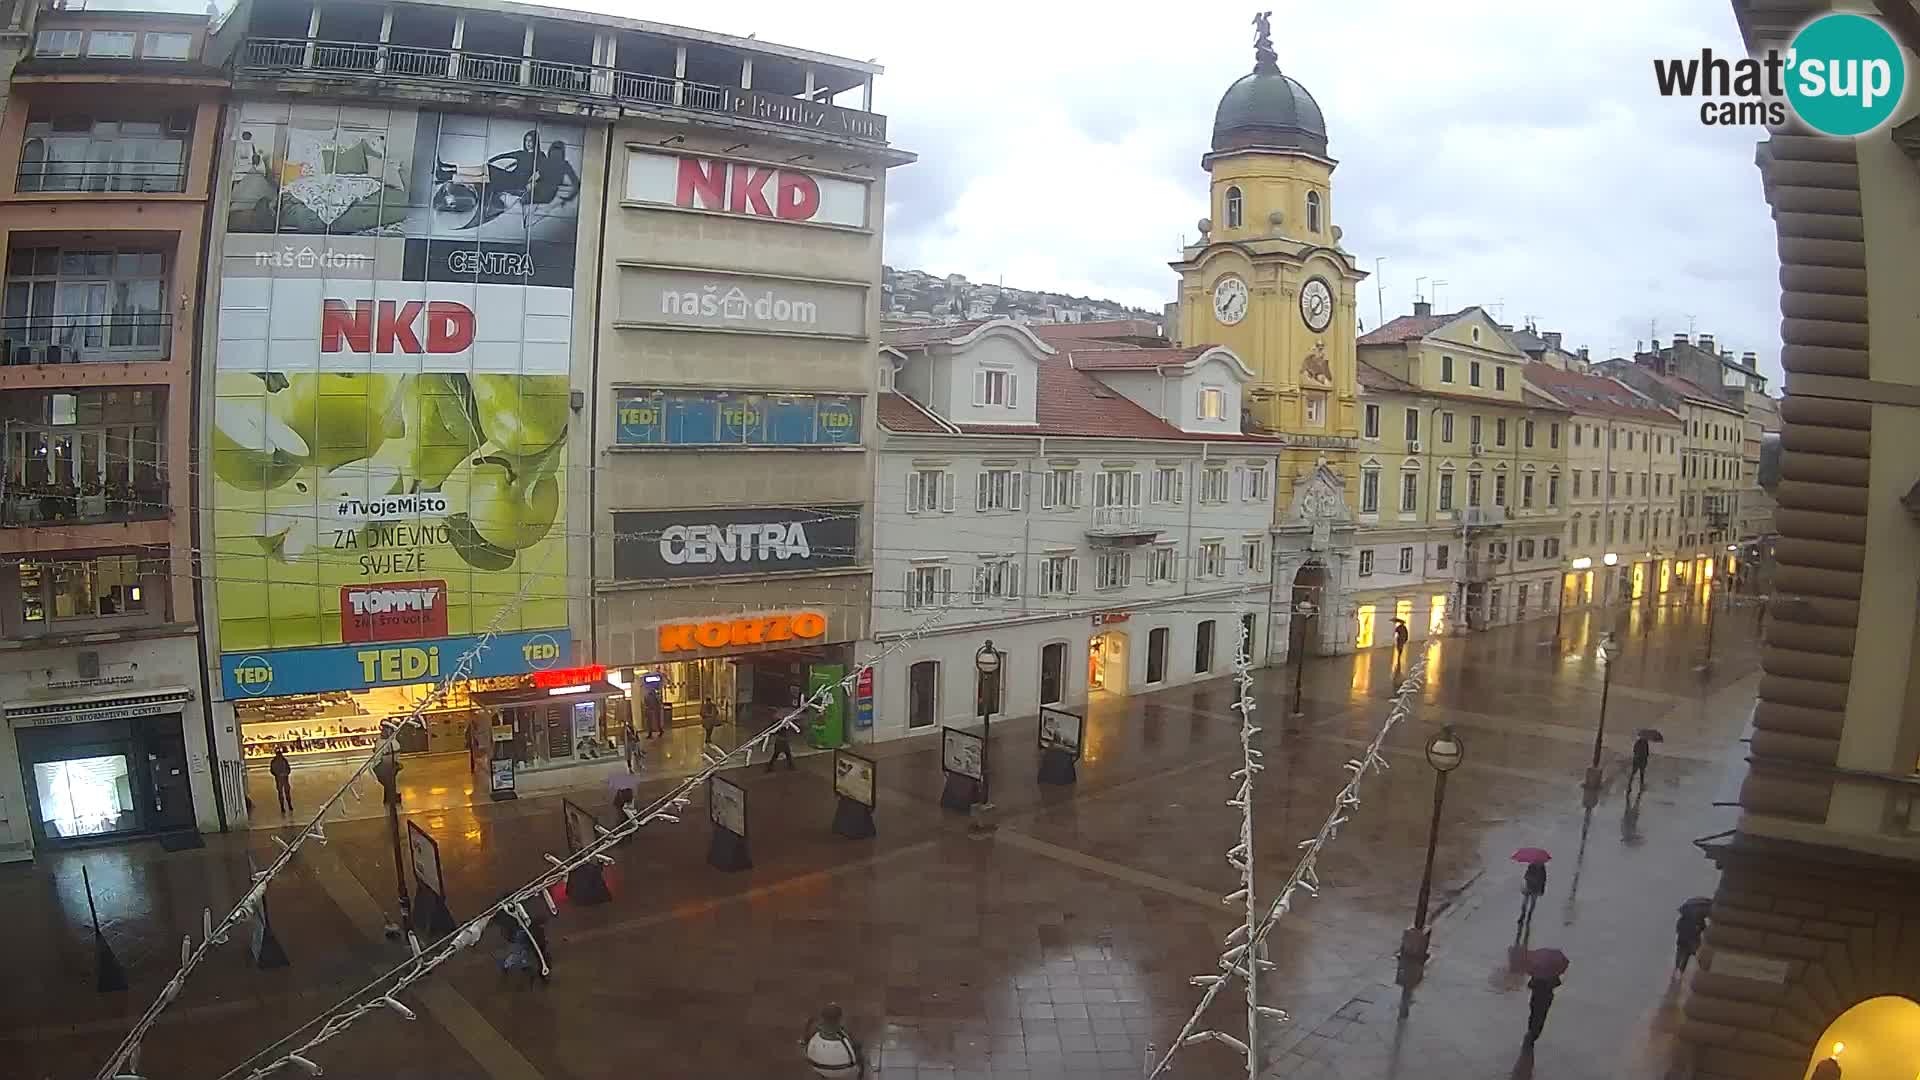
(1516,150)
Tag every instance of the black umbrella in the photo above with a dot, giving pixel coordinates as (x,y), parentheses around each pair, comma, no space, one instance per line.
(1697,905)
(1651,734)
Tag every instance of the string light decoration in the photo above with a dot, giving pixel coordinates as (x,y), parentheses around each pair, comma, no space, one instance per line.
(1242,957)
(382,994)
(120,1065)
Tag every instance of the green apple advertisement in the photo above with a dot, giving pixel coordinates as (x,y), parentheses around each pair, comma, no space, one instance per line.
(389,435)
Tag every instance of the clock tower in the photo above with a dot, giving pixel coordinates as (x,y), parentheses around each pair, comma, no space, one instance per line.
(1268,277)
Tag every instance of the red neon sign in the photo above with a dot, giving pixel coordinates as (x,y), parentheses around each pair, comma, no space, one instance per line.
(548,680)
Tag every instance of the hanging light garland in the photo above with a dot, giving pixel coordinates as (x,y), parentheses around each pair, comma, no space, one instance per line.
(1243,956)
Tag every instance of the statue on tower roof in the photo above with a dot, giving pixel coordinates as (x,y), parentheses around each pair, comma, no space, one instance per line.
(1264,58)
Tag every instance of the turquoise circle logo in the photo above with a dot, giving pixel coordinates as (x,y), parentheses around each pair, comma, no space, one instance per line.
(1846,74)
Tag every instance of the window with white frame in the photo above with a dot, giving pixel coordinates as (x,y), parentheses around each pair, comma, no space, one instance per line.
(996,386)
(1253,555)
(1553,489)
(1446,491)
(1213,484)
(110,44)
(1526,491)
(1520,599)
(998,489)
(1116,488)
(1409,491)
(1253,483)
(1059,575)
(1499,377)
(1062,489)
(1524,551)
(1236,208)
(1500,489)
(996,577)
(1473,429)
(1550,548)
(1169,485)
(1369,491)
(1473,489)
(1316,408)
(1213,403)
(1163,564)
(1366,562)
(1446,427)
(1212,559)
(929,491)
(1413,425)
(1372,421)
(63,44)
(929,586)
(1113,569)
(166,46)
(1406,560)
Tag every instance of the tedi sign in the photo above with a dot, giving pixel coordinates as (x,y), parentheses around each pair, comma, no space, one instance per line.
(748,188)
(651,545)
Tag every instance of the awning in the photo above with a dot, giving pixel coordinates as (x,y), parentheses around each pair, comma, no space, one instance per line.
(533,695)
(92,708)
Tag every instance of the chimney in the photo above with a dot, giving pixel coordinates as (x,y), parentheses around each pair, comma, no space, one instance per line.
(1749,360)
(1583,354)
(1706,343)
(1422,309)
(1553,339)
(1679,340)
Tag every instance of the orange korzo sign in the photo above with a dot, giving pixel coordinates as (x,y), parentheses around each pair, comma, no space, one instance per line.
(759,630)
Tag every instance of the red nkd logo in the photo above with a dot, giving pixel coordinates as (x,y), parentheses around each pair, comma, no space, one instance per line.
(737,188)
(393,611)
(391,325)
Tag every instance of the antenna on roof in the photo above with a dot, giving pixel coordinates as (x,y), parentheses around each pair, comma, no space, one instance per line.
(1437,282)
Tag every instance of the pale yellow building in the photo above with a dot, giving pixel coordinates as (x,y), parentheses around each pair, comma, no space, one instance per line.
(1461,497)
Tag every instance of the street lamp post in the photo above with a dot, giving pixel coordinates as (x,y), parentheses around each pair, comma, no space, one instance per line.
(1606,653)
(987,663)
(1445,752)
(1302,611)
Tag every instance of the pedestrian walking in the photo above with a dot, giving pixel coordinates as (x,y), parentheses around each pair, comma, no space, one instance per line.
(387,771)
(1540,990)
(1533,885)
(629,740)
(1687,930)
(656,711)
(781,748)
(831,1051)
(1399,642)
(282,771)
(709,718)
(1642,750)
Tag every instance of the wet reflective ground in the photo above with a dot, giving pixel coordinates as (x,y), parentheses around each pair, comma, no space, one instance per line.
(1057,948)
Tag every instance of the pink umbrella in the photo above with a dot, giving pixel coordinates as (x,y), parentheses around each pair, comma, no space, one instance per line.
(1532,855)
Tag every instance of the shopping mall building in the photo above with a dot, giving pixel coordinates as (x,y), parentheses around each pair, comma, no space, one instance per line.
(546,328)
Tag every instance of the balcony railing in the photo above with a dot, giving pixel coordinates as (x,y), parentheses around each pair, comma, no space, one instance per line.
(274,56)
(74,339)
(82,176)
(30,505)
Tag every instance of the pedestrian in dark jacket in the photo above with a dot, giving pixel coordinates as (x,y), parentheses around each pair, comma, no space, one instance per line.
(1642,750)
(1399,642)
(1686,939)
(282,771)
(781,748)
(1533,885)
(1540,990)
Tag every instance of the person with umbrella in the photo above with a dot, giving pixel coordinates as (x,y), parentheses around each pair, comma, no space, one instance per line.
(1687,930)
(1533,882)
(1547,965)
(1643,741)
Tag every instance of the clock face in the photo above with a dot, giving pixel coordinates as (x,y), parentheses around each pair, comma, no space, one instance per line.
(1316,304)
(1230,300)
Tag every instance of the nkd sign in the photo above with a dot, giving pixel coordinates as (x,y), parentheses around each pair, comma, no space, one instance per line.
(748,188)
(655,296)
(662,544)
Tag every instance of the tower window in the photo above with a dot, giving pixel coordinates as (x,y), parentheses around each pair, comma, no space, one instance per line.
(1313,211)
(1236,212)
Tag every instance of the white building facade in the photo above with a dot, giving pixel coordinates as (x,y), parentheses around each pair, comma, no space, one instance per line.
(1093,511)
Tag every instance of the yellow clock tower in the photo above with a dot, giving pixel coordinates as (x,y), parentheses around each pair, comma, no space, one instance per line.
(1268,277)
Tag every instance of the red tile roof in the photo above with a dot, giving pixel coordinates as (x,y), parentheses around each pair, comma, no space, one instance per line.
(1408,328)
(926,334)
(899,413)
(1595,394)
(1372,378)
(1051,333)
(1099,358)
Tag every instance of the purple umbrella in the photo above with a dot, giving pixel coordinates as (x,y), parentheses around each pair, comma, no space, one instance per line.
(1547,962)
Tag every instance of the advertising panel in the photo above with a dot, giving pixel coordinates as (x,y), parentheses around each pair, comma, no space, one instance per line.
(392,394)
(720,300)
(734,418)
(727,805)
(652,545)
(1060,730)
(747,188)
(853,777)
(962,752)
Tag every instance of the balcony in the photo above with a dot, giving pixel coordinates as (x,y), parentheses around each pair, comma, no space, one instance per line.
(79,339)
(1474,571)
(279,57)
(1121,525)
(39,505)
(77,177)
(1483,517)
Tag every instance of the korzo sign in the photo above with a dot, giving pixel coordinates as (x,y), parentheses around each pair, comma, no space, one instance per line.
(651,545)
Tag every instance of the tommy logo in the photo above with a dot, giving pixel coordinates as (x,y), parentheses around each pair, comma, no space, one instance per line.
(395,326)
(393,611)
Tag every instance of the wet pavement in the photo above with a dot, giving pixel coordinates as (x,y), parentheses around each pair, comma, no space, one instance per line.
(1058,947)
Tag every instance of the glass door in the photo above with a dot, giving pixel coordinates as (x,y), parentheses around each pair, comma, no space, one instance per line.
(1053,673)
(90,794)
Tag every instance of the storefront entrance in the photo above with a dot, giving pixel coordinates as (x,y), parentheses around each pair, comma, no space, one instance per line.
(107,779)
(1107,662)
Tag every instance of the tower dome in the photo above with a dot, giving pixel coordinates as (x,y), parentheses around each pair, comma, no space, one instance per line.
(1266,109)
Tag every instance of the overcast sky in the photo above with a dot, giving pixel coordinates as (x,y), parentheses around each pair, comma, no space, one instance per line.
(1517,150)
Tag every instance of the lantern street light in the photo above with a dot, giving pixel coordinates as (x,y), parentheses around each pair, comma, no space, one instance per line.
(1608,651)
(986,663)
(1445,752)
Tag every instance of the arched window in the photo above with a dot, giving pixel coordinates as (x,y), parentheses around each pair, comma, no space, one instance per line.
(1313,211)
(1236,211)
